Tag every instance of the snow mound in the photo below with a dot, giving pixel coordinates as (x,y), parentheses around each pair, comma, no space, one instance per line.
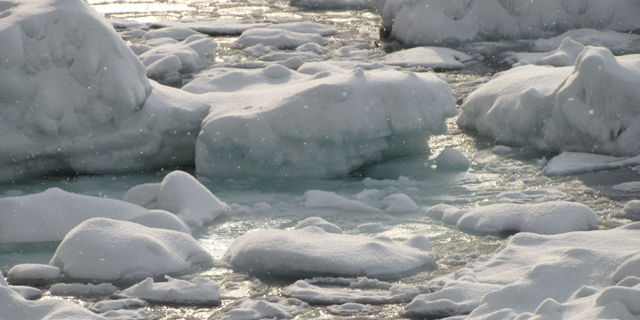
(371,227)
(631,210)
(212,27)
(320,223)
(181,194)
(327,199)
(572,163)
(427,57)
(277,308)
(82,290)
(312,250)
(565,55)
(29,293)
(590,107)
(633,186)
(279,38)
(576,275)
(201,291)
(437,22)
(110,305)
(451,159)
(14,306)
(398,202)
(276,122)
(57,212)
(119,250)
(534,195)
(544,218)
(33,274)
(617,42)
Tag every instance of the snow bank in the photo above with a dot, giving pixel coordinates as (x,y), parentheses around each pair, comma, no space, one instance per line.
(451,159)
(33,274)
(427,57)
(202,291)
(544,218)
(311,250)
(50,215)
(115,250)
(437,22)
(327,199)
(82,290)
(572,163)
(279,38)
(277,122)
(14,306)
(277,308)
(181,194)
(591,107)
(576,275)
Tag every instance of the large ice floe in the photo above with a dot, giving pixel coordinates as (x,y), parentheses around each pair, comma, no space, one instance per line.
(313,251)
(576,275)
(278,122)
(589,107)
(429,22)
(109,250)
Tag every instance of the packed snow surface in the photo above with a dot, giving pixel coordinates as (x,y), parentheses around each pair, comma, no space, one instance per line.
(576,275)
(437,22)
(105,249)
(545,218)
(427,57)
(201,291)
(312,250)
(591,107)
(277,122)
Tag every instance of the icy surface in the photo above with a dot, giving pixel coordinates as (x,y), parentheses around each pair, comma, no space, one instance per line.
(545,218)
(280,308)
(313,250)
(453,160)
(82,290)
(568,163)
(327,199)
(13,307)
(427,57)
(31,273)
(279,38)
(533,195)
(119,250)
(201,291)
(109,305)
(213,27)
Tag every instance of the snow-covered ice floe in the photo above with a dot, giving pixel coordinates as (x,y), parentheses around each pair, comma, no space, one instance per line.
(572,163)
(590,107)
(576,275)
(82,290)
(279,38)
(212,27)
(336,4)
(532,195)
(436,22)
(545,218)
(33,274)
(312,250)
(273,307)
(104,249)
(277,122)
(427,57)
(200,292)
(617,42)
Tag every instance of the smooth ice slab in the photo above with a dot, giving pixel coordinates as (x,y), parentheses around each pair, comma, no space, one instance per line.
(312,250)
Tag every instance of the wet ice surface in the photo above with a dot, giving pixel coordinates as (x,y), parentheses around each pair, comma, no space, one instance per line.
(493,171)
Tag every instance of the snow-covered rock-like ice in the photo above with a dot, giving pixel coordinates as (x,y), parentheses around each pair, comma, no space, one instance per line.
(276,308)
(277,122)
(280,38)
(349,309)
(398,202)
(201,291)
(181,194)
(336,4)
(427,57)
(617,42)
(30,273)
(576,275)
(110,305)
(312,250)
(327,199)
(533,195)
(120,250)
(544,218)
(565,55)
(436,22)
(306,27)
(591,107)
(572,163)
(451,159)
(631,210)
(27,292)
(320,223)
(176,33)
(14,306)
(212,27)
(82,290)
(633,186)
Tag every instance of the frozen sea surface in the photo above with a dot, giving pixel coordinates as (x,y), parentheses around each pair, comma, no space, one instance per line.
(494,170)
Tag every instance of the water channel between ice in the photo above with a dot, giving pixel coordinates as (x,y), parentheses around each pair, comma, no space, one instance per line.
(491,173)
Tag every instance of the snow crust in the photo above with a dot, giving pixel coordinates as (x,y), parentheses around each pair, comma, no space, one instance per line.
(105,249)
(278,308)
(312,250)
(427,57)
(277,122)
(30,273)
(576,275)
(201,291)
(590,107)
(544,218)
(437,22)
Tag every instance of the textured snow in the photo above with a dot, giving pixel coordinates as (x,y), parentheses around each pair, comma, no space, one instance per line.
(398,202)
(201,291)
(176,33)
(591,107)
(82,290)
(451,159)
(437,22)
(306,27)
(105,249)
(545,218)
(427,57)
(336,4)
(279,38)
(277,122)
(277,308)
(631,210)
(29,293)
(30,273)
(312,250)
(565,55)
(633,186)
(617,42)
(348,309)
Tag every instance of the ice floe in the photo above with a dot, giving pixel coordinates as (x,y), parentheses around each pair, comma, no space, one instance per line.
(532,195)
(105,249)
(110,305)
(279,38)
(451,159)
(565,55)
(212,27)
(327,199)
(277,308)
(82,290)
(176,33)
(617,42)
(427,57)
(571,163)
(14,306)
(202,291)
(631,210)
(320,223)
(545,218)
(33,274)
(312,250)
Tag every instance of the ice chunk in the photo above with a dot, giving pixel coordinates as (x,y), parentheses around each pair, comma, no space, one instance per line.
(453,160)
(533,195)
(33,274)
(14,306)
(201,291)
(162,220)
(336,4)
(277,308)
(633,186)
(372,227)
(427,57)
(457,297)
(306,27)
(348,309)
(29,293)
(212,27)
(176,33)
(105,249)
(544,218)
(82,290)
(327,199)
(565,55)
(631,210)
(280,38)
(109,305)
(320,223)
(398,202)
(571,163)
(618,42)
(306,290)
(313,250)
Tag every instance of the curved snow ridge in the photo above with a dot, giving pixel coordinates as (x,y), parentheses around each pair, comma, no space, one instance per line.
(437,22)
(544,218)
(591,107)
(312,250)
(277,122)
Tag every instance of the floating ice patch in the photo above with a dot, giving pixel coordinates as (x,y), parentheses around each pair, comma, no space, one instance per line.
(327,199)
(349,309)
(339,66)
(336,4)
(427,57)
(398,202)
(312,250)
(320,223)
(105,249)
(201,291)
(631,210)
(282,39)
(277,308)
(176,33)
(14,306)
(82,290)
(534,195)
(572,163)
(372,227)
(33,274)
(29,293)
(633,186)
(110,305)
(212,27)
(545,218)
(306,27)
